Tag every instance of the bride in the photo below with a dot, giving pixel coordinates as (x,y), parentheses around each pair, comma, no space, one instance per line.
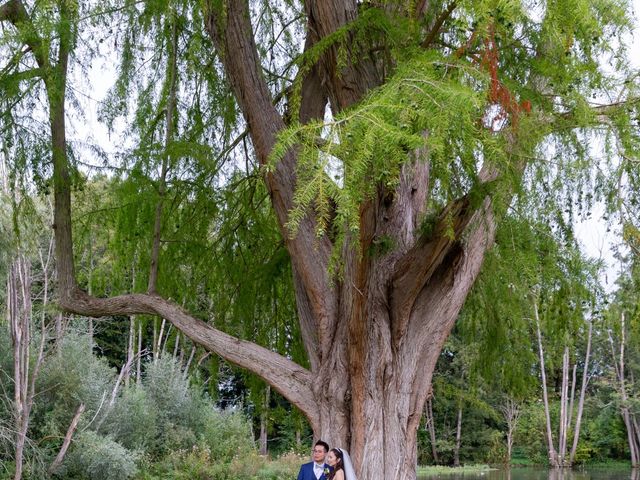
(340,461)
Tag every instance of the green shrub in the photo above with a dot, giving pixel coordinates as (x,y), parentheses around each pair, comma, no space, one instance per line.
(227,435)
(96,457)
(168,389)
(71,376)
(133,420)
(186,418)
(171,397)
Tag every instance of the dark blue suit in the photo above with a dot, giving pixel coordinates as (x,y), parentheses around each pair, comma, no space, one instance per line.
(306,472)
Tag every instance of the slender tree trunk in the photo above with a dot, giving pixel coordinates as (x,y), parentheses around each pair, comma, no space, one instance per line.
(431,426)
(570,409)
(553,456)
(264,421)
(20,318)
(157,339)
(20,325)
(130,346)
(163,344)
(636,428)
(583,390)
(564,413)
(139,356)
(511,412)
(456,451)
(4,172)
(59,328)
(90,327)
(188,365)
(176,346)
(634,446)
(19,311)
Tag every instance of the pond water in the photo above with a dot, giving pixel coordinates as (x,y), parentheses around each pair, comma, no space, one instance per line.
(542,474)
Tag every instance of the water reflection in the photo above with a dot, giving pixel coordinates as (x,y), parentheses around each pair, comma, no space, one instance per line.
(543,474)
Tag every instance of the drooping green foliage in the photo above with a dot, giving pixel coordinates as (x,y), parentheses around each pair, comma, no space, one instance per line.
(366,146)
(529,264)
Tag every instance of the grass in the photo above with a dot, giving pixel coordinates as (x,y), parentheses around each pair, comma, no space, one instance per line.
(441,470)
(622,464)
(522,462)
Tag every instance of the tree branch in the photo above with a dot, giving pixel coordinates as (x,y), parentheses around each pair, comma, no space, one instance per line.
(435,29)
(230,30)
(313,94)
(67,439)
(290,379)
(421,261)
(345,84)
(14,12)
(25,75)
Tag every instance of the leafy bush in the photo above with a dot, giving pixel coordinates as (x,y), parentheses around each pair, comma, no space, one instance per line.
(133,420)
(98,458)
(171,397)
(186,418)
(531,434)
(168,389)
(71,376)
(226,434)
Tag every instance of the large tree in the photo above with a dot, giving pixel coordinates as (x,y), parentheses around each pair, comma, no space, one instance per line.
(439,113)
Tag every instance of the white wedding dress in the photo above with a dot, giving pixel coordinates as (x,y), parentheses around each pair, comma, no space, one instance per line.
(349,472)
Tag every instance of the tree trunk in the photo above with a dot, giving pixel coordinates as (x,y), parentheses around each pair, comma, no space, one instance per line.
(511,412)
(139,356)
(130,347)
(264,421)
(456,451)
(564,414)
(59,328)
(20,325)
(19,312)
(619,364)
(431,426)
(583,390)
(67,439)
(553,456)
(4,172)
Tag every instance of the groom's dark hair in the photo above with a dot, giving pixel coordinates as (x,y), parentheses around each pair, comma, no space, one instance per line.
(323,444)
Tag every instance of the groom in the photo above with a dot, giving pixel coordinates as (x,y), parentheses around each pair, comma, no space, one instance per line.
(316,470)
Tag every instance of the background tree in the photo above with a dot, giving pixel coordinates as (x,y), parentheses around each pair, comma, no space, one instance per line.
(623,329)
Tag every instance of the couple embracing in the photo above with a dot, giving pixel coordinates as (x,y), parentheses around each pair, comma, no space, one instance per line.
(334,464)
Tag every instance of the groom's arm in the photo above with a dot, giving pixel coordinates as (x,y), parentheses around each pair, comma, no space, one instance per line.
(300,477)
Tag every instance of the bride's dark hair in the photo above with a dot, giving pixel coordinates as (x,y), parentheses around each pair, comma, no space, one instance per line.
(339,464)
